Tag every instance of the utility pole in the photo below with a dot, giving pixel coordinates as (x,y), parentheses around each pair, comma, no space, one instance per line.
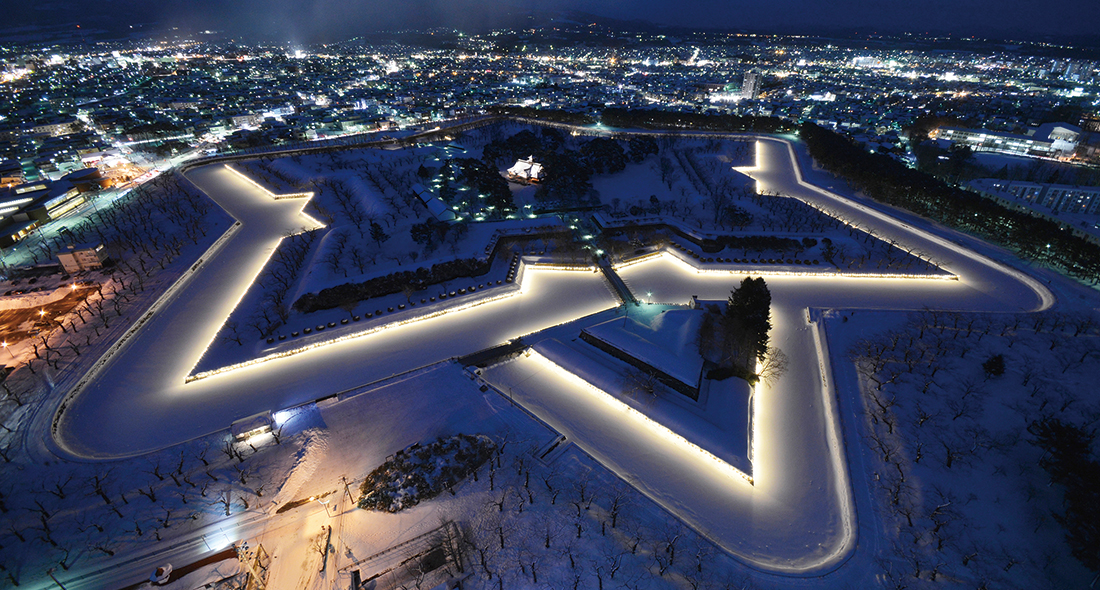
(347,488)
(244,555)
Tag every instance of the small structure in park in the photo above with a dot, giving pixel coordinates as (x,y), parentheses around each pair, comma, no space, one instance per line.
(75,260)
(526,171)
(246,428)
(434,204)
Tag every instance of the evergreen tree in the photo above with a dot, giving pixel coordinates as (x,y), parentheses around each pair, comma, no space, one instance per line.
(1069,462)
(995,366)
(748,310)
(377,233)
(641,146)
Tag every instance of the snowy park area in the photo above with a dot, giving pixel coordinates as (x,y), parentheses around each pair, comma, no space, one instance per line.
(887,454)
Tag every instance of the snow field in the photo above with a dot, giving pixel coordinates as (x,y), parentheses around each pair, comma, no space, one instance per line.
(789,522)
(952,473)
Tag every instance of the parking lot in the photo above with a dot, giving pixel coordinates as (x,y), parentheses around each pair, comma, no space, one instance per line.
(19,324)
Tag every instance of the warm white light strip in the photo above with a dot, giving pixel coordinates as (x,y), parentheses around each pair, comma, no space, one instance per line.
(564,267)
(378,328)
(236,304)
(1045,296)
(640,259)
(347,337)
(160,302)
(752,412)
(653,425)
(315,221)
(677,257)
(302,195)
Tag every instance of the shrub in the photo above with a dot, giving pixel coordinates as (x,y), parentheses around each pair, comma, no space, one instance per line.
(421,472)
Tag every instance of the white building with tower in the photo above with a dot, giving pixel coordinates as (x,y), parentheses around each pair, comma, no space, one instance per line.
(526,171)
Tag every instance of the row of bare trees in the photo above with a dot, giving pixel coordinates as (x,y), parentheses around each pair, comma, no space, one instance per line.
(145,231)
(76,513)
(582,528)
(933,411)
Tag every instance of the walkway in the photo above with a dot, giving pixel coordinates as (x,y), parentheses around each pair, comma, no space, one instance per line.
(616,281)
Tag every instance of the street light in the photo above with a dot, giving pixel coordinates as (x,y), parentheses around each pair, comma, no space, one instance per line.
(4,344)
(321,502)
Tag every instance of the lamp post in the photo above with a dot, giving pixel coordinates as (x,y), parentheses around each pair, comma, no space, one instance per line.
(322,503)
(4,345)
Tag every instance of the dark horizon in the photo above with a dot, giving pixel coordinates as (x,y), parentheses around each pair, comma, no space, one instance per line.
(317,21)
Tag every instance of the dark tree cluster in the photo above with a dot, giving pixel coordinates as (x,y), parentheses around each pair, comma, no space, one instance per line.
(487,180)
(750,305)
(553,115)
(604,155)
(421,472)
(641,146)
(524,144)
(658,119)
(568,180)
(888,181)
(753,243)
(738,337)
(568,172)
(1070,462)
(430,232)
(351,293)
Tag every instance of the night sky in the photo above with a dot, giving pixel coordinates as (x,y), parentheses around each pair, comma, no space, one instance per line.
(305,21)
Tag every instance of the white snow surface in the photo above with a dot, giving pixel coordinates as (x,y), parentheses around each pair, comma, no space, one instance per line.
(797,518)
(143,392)
(665,340)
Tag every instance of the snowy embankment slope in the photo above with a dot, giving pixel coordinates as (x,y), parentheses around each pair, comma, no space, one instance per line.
(665,340)
(721,430)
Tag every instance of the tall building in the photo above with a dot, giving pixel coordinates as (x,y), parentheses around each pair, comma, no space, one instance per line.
(750,87)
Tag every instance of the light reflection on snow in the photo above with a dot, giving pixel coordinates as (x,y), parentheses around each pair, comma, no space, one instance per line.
(645,421)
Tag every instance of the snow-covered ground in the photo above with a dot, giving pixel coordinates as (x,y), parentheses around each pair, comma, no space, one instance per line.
(144,390)
(804,514)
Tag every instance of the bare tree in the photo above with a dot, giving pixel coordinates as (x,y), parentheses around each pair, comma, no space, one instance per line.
(774,365)
(641,385)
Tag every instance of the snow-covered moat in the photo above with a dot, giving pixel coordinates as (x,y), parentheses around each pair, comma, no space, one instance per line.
(799,516)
